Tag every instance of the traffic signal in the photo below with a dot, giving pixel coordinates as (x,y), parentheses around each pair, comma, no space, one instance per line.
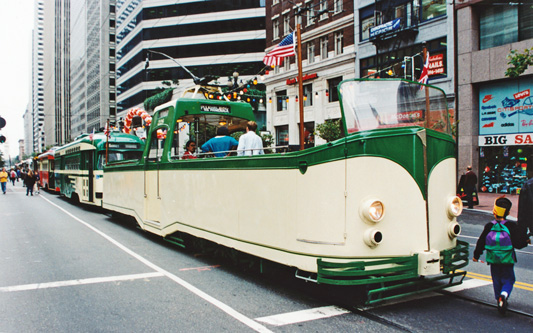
(2,139)
(2,122)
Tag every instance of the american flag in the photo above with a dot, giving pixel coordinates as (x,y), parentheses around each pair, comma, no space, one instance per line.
(284,49)
(424,76)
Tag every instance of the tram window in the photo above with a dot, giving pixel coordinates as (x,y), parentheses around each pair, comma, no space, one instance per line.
(117,156)
(157,143)
(175,151)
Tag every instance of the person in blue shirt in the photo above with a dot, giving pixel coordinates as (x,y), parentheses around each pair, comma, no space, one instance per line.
(221,144)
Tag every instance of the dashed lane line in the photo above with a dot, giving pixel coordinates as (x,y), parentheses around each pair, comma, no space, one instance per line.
(303,315)
(222,306)
(46,285)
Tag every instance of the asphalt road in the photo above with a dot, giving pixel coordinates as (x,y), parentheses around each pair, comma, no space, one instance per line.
(66,268)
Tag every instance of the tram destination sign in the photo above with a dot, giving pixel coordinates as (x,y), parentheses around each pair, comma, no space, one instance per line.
(215,108)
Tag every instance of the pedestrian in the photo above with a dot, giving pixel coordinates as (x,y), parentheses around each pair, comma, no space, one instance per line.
(250,143)
(18,174)
(500,237)
(470,184)
(3,180)
(29,181)
(12,176)
(525,206)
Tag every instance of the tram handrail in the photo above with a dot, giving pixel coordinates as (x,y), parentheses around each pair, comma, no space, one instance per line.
(207,155)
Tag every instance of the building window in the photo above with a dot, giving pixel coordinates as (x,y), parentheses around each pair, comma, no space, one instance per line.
(281,100)
(332,88)
(337,6)
(366,25)
(308,95)
(282,135)
(286,64)
(323,9)
(275,29)
(432,9)
(338,43)
(311,52)
(324,47)
(310,15)
(500,25)
(286,25)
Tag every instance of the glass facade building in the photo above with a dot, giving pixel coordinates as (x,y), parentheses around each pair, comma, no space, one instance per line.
(208,37)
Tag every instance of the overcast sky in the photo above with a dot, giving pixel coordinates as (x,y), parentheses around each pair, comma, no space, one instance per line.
(16,24)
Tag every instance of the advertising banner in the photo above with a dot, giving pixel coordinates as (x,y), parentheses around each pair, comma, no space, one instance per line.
(506,108)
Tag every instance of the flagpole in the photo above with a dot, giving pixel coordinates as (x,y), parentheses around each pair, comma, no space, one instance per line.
(300,85)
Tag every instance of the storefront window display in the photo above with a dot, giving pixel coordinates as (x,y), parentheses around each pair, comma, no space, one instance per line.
(503,169)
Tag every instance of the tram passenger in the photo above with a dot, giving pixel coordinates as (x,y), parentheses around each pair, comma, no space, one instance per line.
(250,143)
(190,147)
(220,144)
(500,237)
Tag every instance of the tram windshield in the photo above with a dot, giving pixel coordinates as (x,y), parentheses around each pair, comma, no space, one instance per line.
(381,103)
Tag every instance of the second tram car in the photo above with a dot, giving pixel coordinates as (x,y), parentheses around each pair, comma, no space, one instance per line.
(374,208)
(45,163)
(79,164)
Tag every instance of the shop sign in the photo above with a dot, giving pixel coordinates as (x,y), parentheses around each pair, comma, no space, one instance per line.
(385,27)
(304,78)
(506,140)
(506,108)
(436,64)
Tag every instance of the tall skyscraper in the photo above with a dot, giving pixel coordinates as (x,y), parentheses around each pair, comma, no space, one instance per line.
(92,64)
(56,72)
(36,138)
(208,37)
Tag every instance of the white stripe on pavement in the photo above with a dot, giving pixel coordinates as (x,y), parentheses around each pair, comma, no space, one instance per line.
(468,284)
(222,306)
(57,284)
(304,315)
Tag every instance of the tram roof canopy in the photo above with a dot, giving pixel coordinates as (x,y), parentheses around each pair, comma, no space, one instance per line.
(234,115)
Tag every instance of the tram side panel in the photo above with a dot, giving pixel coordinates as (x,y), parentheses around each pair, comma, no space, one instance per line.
(403,226)
(441,188)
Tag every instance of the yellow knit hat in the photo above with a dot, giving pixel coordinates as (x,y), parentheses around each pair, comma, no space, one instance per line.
(502,207)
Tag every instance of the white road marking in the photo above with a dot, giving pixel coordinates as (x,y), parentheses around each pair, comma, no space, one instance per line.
(57,284)
(304,315)
(468,284)
(224,307)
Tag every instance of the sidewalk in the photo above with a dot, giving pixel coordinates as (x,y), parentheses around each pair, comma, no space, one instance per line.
(486,202)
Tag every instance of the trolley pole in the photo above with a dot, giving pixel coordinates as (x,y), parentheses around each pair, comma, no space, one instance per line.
(300,85)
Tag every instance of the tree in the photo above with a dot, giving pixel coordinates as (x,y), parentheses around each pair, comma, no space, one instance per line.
(330,130)
(519,62)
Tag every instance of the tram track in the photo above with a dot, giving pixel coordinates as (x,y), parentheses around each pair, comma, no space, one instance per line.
(380,320)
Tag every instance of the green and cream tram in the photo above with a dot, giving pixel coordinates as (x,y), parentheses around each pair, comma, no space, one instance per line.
(79,165)
(375,207)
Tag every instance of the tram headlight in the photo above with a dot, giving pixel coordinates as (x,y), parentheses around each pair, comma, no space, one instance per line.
(373,210)
(455,206)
